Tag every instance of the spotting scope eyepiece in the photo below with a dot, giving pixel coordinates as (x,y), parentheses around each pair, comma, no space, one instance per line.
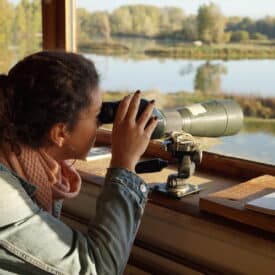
(212,118)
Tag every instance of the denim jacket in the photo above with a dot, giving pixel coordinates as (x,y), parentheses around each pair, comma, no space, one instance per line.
(32,241)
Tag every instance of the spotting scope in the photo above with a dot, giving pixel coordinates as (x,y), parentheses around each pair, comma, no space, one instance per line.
(212,118)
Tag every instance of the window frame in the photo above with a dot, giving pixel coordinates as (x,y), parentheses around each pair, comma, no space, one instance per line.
(59,25)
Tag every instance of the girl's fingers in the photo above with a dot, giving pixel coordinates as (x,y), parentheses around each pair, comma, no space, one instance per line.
(133,107)
(122,109)
(146,114)
(151,126)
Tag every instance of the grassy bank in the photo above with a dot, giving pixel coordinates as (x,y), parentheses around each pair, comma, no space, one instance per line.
(230,51)
(103,48)
(249,50)
(253,124)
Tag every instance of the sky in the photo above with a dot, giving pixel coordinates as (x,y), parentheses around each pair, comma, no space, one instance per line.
(251,8)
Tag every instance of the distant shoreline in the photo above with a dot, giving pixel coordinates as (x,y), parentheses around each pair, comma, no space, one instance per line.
(253,106)
(213,52)
(187,50)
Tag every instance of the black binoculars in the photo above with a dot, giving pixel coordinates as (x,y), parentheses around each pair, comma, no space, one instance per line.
(212,118)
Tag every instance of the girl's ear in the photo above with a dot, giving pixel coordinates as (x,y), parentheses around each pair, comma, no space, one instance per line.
(58,134)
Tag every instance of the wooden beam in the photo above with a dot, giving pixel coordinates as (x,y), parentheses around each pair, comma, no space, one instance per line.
(58,25)
(231,167)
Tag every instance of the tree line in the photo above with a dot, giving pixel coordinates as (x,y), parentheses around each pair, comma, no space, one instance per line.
(209,25)
(21,23)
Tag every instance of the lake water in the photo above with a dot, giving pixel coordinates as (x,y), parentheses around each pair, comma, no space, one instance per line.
(171,75)
(257,146)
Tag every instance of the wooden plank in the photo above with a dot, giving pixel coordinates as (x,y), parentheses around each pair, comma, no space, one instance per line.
(200,242)
(93,173)
(229,203)
(197,235)
(226,166)
(207,175)
(234,167)
(148,257)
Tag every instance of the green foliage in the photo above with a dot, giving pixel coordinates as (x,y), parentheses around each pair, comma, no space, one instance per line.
(189,30)
(239,36)
(140,20)
(259,36)
(83,18)
(208,78)
(227,37)
(211,24)
(265,26)
(133,20)
(99,25)
(27,22)
(145,19)
(121,21)
(171,20)
(231,51)
(6,18)
(20,29)
(21,25)
(91,25)
(257,106)
(253,124)
(104,48)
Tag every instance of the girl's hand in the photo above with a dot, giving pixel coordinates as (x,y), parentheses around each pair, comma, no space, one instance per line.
(130,137)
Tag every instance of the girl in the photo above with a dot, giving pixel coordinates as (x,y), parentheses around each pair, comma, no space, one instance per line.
(49,107)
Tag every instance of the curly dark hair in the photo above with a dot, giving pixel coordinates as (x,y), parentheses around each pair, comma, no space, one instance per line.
(41,90)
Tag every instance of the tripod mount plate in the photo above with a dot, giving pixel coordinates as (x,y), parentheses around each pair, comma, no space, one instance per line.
(178,192)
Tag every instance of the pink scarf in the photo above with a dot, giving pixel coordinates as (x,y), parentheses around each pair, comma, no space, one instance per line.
(54,181)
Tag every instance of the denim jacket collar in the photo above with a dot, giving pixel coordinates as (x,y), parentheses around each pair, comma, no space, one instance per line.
(16,195)
(28,187)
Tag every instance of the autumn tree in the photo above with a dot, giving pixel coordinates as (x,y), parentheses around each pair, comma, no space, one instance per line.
(239,36)
(189,30)
(145,19)
(208,78)
(121,21)
(6,18)
(99,25)
(211,23)
(27,25)
(171,19)
(83,17)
